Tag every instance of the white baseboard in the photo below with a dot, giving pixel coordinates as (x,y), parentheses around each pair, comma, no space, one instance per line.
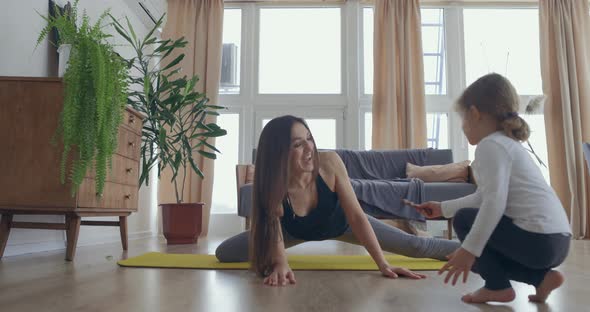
(113,238)
(28,248)
(22,249)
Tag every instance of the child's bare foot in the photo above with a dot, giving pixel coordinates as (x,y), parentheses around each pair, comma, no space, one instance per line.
(484,295)
(553,279)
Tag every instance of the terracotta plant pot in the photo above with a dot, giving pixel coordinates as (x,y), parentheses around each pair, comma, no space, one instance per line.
(182,222)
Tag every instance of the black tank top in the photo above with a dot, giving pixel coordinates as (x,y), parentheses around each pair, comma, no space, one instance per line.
(325,221)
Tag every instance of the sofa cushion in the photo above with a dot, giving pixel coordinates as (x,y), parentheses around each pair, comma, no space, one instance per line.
(389,164)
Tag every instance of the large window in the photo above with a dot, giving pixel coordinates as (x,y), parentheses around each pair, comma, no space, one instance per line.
(537,142)
(435,81)
(437,126)
(323,131)
(505,41)
(230,58)
(432,45)
(315,60)
(368,50)
(300,51)
(224,183)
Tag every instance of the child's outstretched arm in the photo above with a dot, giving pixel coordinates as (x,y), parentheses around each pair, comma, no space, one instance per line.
(450,207)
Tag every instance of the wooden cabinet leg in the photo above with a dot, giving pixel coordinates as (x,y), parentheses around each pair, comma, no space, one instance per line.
(73,229)
(123,229)
(4,232)
(450,229)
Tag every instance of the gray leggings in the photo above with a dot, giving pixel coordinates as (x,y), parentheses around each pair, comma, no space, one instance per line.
(391,239)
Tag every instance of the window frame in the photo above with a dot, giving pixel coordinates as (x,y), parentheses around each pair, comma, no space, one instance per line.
(238,111)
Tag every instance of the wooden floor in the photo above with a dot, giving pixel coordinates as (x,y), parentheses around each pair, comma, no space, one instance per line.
(94,282)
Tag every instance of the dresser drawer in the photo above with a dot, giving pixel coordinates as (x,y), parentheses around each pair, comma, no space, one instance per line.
(124,171)
(132,121)
(116,196)
(128,144)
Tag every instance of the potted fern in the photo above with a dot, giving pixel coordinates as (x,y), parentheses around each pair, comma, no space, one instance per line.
(63,19)
(95,89)
(174,125)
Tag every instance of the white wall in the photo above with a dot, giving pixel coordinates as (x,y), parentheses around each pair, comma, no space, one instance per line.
(19,29)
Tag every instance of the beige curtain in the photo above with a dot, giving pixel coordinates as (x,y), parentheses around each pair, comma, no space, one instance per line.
(565,34)
(201,23)
(399,113)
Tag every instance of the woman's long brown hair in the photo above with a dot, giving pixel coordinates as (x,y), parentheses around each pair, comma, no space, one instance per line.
(271,178)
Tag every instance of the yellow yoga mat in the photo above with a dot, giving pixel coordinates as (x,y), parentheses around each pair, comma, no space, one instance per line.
(297,262)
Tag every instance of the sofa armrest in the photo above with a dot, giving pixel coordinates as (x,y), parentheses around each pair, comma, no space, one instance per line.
(245,201)
(244,175)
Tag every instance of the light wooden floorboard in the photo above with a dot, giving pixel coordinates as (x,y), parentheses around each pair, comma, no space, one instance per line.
(94,282)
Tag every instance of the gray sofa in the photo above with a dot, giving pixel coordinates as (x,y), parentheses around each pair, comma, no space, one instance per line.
(382,175)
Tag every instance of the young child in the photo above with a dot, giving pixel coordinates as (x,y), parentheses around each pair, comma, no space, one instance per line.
(514,226)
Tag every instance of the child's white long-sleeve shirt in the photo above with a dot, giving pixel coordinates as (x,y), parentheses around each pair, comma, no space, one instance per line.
(508,183)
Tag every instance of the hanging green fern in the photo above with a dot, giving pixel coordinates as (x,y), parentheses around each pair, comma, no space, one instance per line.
(64,22)
(94,98)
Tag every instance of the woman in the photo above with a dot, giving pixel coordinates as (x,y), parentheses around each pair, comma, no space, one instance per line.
(302,195)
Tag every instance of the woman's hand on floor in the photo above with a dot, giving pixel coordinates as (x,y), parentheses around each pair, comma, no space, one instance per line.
(429,209)
(395,272)
(280,276)
(460,262)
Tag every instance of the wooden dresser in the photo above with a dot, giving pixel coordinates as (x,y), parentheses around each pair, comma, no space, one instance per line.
(30,165)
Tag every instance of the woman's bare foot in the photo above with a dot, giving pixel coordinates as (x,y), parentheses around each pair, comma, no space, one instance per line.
(553,279)
(484,295)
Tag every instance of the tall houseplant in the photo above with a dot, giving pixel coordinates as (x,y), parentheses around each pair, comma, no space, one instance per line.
(94,96)
(175,124)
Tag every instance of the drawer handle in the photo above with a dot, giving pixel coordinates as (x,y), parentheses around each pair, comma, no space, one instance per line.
(128,196)
(131,119)
(131,144)
(129,170)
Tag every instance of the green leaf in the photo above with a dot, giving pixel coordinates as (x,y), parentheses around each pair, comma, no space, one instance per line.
(147,39)
(207,154)
(162,47)
(177,159)
(196,168)
(122,33)
(215,107)
(174,62)
(150,41)
(131,31)
(210,146)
